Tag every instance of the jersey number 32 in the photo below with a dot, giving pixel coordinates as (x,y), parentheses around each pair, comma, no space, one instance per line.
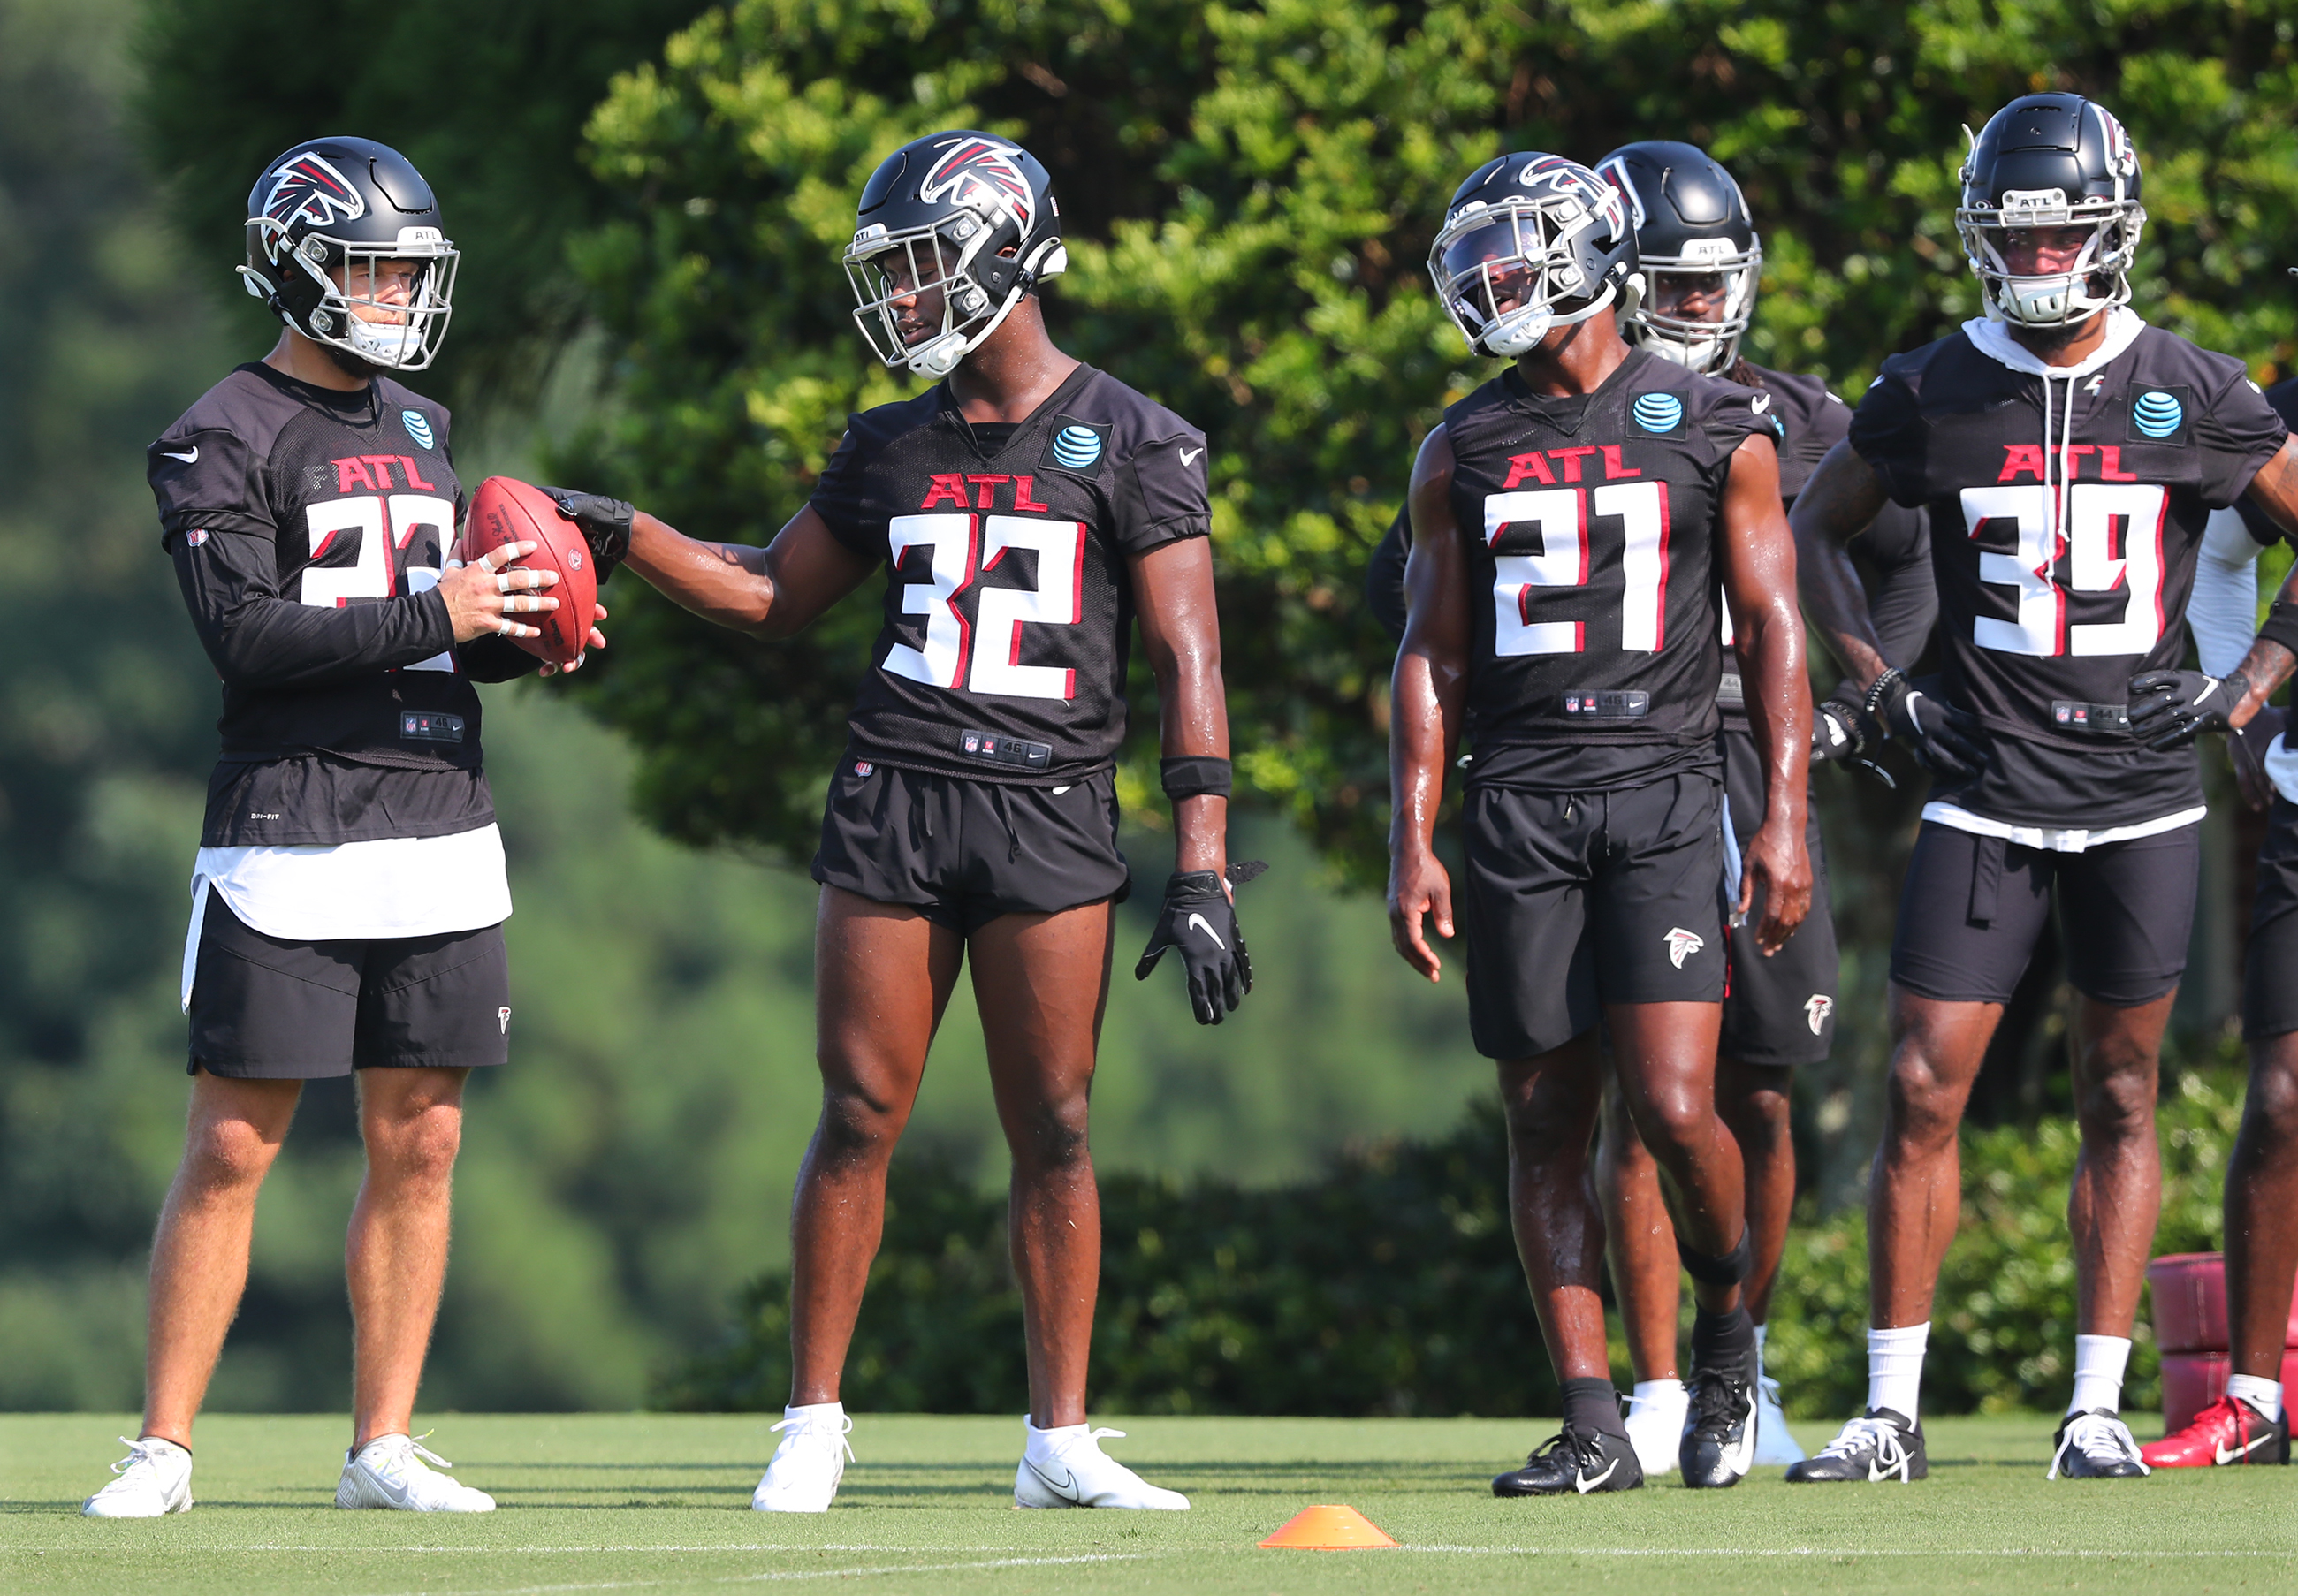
(985,656)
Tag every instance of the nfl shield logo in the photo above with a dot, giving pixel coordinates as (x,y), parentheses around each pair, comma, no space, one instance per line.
(2064,713)
(862,767)
(973,743)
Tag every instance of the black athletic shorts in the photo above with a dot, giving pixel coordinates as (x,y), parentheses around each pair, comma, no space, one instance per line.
(2269,977)
(963,853)
(1576,900)
(1973,907)
(264,1009)
(1780,1010)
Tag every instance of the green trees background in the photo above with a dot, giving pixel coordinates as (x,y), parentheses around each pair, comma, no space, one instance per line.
(650,195)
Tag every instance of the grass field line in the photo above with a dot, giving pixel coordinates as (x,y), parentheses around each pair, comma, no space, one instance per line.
(1840,1552)
(776,1575)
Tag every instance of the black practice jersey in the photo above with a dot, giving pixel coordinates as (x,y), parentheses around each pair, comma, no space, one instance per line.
(1009,610)
(1904,601)
(308,529)
(2283,397)
(1592,522)
(2057,584)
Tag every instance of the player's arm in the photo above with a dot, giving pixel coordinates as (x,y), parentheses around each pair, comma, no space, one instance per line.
(1428,696)
(1759,582)
(2275,653)
(1843,497)
(778,591)
(256,637)
(1180,639)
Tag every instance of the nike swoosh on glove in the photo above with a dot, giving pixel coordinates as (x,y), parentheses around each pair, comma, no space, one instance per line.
(1198,922)
(2169,709)
(1842,733)
(1939,734)
(605,524)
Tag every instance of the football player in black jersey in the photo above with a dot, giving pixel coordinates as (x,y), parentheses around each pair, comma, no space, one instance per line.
(1027,511)
(1574,520)
(1697,247)
(2080,452)
(2249,1422)
(348,899)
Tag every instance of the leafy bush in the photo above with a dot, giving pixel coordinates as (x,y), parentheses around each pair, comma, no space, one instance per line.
(1390,1286)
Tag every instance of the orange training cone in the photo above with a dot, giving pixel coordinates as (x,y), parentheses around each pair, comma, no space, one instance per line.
(1328,1529)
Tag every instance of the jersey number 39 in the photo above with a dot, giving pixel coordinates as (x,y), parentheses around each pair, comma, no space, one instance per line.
(2093,566)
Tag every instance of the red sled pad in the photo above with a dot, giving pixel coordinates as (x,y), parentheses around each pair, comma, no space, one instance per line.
(2189,1290)
(2193,1381)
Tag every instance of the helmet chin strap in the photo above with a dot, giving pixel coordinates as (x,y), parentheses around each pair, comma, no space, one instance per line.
(1511,336)
(939,356)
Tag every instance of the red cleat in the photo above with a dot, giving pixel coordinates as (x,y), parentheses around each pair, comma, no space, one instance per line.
(2229,1431)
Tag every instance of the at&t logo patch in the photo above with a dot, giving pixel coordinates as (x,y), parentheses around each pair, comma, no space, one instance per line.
(418,427)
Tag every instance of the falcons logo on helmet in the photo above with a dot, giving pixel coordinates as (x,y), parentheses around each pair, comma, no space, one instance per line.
(308,189)
(987,166)
(1548,175)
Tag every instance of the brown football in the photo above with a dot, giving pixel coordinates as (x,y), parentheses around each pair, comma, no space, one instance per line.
(506,511)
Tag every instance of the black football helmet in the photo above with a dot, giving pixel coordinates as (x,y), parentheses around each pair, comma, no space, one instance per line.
(1691,223)
(2051,160)
(965,213)
(321,220)
(1532,241)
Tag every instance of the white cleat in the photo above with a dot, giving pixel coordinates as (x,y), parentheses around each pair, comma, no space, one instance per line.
(1656,1427)
(392,1471)
(155,1479)
(1067,1469)
(803,1474)
(1773,1443)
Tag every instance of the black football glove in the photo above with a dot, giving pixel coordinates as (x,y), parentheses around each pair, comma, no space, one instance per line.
(2169,709)
(605,524)
(1845,733)
(1199,921)
(1936,732)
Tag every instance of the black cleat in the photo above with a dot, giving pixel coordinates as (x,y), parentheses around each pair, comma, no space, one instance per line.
(1719,1427)
(2096,1445)
(1582,1461)
(1880,1444)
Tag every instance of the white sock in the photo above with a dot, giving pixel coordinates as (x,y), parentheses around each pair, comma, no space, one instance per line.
(1759,1351)
(2263,1395)
(2099,1361)
(1651,1393)
(1894,1368)
(1042,1442)
(813,1414)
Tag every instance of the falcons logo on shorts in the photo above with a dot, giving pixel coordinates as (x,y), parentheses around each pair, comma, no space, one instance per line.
(987,166)
(308,189)
(1816,1008)
(1681,944)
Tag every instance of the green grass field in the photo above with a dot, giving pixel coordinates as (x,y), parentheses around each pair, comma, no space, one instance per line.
(659,1503)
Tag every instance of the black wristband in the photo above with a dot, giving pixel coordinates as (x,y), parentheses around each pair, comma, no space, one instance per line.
(1194,775)
(2281,624)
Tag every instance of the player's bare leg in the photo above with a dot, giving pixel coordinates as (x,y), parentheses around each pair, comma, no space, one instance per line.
(1041,982)
(411,1121)
(2251,1422)
(882,976)
(2118,1184)
(1753,1102)
(199,1256)
(1664,1053)
(1647,1282)
(1914,1192)
(1550,1103)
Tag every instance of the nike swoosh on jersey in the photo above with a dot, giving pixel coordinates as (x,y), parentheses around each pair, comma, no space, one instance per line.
(2225,1456)
(1199,922)
(1584,1485)
(1190,455)
(191,459)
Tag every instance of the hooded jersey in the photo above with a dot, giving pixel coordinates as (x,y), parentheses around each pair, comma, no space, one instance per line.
(1593,523)
(308,529)
(2066,514)
(1008,608)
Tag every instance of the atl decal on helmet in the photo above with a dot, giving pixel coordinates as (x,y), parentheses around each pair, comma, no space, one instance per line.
(309,188)
(989,167)
(418,427)
(1076,447)
(1658,412)
(2158,414)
